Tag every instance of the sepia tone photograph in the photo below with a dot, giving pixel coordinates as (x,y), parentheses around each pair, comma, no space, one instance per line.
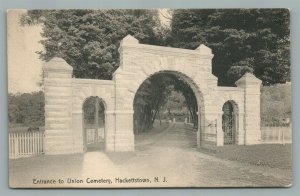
(149,98)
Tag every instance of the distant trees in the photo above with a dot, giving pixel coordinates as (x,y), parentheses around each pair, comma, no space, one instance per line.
(242,40)
(154,93)
(90,107)
(148,101)
(275,104)
(26,109)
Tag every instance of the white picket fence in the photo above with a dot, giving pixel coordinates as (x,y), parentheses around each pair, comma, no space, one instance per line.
(24,144)
(276,135)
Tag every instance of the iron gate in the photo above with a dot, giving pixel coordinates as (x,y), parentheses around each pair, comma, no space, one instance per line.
(94,138)
(228,123)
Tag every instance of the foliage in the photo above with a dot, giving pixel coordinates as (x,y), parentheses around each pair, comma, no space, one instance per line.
(26,109)
(275,104)
(255,39)
(89,112)
(175,103)
(148,101)
(89,39)
(152,98)
(236,72)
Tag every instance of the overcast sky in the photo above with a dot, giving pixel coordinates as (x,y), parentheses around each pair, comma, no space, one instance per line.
(24,65)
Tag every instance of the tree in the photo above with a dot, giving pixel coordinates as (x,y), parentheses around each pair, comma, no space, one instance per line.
(89,39)
(26,109)
(256,38)
(148,101)
(93,112)
(235,72)
(275,104)
(152,96)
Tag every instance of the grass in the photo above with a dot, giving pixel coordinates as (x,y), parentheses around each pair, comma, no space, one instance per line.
(271,155)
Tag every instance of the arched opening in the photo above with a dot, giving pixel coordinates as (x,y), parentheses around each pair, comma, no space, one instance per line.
(93,124)
(229,122)
(165,99)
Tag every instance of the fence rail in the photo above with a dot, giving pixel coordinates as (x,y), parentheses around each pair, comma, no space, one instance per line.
(24,144)
(276,135)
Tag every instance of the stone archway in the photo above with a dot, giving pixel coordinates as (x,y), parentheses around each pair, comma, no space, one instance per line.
(64,97)
(197,93)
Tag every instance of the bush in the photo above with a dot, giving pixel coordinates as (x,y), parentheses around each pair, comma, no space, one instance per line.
(275,104)
(26,109)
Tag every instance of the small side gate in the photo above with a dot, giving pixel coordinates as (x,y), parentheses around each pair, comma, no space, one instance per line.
(229,123)
(94,138)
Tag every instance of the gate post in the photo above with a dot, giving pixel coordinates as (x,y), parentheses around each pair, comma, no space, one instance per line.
(58,107)
(251,86)
(124,137)
(109,131)
(219,130)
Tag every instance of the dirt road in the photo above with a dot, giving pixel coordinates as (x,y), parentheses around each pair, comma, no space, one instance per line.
(166,159)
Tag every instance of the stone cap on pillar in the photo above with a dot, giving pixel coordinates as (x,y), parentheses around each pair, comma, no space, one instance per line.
(248,79)
(204,51)
(129,40)
(57,65)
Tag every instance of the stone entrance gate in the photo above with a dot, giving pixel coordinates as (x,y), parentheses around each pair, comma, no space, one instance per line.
(65,95)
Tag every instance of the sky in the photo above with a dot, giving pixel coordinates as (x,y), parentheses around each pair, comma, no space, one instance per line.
(24,65)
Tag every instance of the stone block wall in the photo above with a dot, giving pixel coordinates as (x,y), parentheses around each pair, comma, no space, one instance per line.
(58,107)
(251,86)
(64,97)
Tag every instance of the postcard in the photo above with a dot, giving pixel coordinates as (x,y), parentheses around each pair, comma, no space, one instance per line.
(139,98)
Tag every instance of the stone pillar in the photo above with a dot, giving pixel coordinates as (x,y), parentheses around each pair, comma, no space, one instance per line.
(110,131)
(58,107)
(78,132)
(240,129)
(220,132)
(124,136)
(251,86)
(201,127)
(126,54)
(206,56)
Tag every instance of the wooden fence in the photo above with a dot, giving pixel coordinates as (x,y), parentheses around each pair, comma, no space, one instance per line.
(276,135)
(24,144)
